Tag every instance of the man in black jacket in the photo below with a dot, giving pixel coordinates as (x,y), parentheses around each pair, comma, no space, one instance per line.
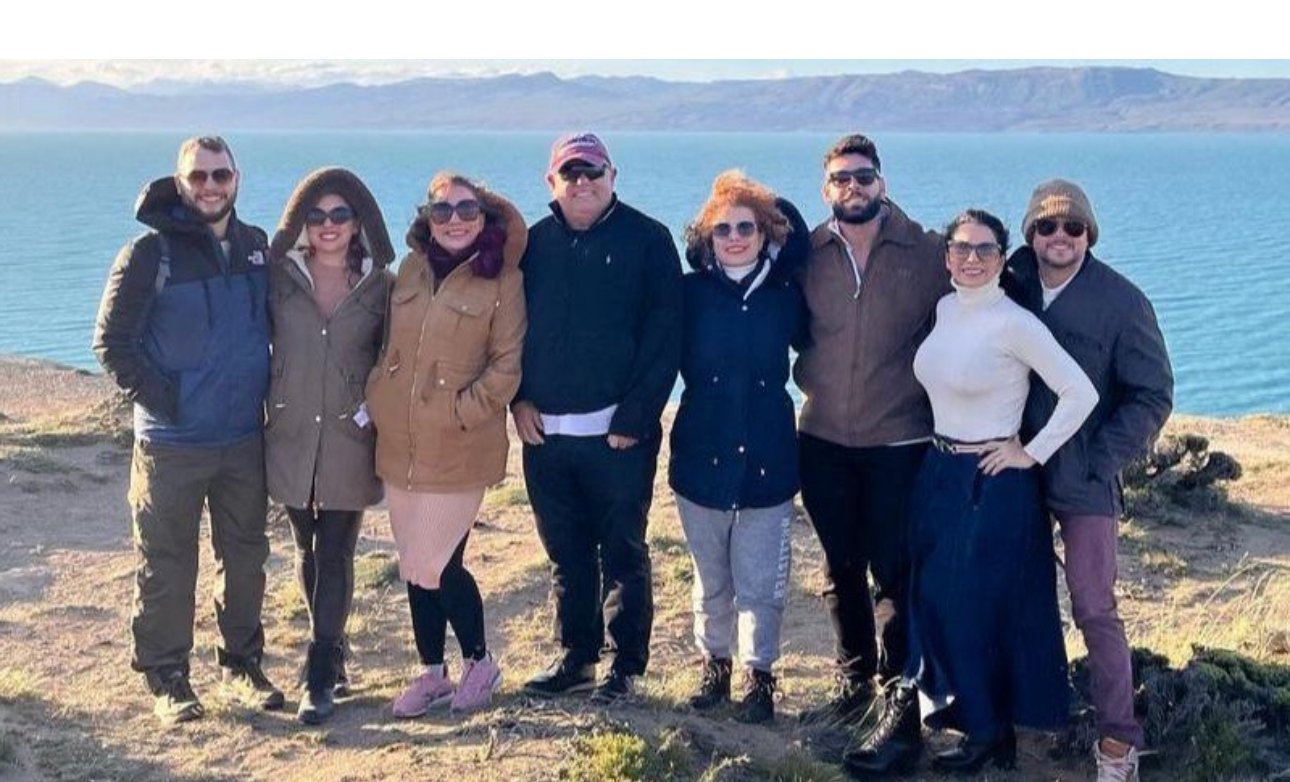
(1109,328)
(603,286)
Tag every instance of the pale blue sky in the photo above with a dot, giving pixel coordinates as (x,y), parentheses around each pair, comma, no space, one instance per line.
(313,72)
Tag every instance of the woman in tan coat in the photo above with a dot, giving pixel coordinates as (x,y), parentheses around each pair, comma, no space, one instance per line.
(328,292)
(438,397)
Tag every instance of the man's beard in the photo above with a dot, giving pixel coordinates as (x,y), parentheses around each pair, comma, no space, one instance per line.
(206,217)
(852,217)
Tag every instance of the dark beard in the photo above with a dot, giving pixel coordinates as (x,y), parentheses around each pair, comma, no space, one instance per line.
(210,219)
(858,218)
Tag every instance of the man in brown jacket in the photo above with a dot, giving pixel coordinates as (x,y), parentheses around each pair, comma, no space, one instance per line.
(871,283)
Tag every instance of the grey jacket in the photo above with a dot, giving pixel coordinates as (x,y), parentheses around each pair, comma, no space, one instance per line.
(1110,329)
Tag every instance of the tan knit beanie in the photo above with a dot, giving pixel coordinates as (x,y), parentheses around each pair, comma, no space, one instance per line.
(1061,199)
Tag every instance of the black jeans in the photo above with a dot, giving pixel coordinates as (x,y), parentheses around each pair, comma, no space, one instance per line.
(592,505)
(457,601)
(858,500)
(325,542)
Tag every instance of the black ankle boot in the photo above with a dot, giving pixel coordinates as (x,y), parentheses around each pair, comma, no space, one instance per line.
(895,743)
(714,686)
(318,702)
(970,756)
(758,704)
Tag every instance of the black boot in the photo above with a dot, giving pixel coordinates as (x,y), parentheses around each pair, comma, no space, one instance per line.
(758,704)
(714,687)
(318,702)
(341,688)
(970,756)
(895,743)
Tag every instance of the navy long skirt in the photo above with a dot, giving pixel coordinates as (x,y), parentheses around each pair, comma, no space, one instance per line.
(985,633)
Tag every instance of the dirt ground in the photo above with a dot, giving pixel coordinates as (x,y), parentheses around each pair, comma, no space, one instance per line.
(71,708)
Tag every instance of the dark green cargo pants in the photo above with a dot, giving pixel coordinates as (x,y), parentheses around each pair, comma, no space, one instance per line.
(169,485)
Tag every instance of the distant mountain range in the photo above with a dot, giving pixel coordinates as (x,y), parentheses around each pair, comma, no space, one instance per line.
(1029,99)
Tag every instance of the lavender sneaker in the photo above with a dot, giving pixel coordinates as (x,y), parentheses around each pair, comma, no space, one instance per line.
(424,693)
(479,680)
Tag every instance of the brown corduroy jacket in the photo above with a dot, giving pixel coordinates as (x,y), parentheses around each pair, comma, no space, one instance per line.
(449,368)
(857,376)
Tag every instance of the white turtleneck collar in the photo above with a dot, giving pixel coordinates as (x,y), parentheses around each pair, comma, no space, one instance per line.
(983,296)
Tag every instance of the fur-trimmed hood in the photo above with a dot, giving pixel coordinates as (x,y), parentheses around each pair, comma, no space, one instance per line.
(291,228)
(498,211)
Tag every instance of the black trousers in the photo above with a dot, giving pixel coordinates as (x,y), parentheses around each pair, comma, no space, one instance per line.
(592,505)
(456,601)
(858,500)
(325,542)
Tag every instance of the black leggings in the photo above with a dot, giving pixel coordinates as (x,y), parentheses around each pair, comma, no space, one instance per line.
(325,542)
(457,601)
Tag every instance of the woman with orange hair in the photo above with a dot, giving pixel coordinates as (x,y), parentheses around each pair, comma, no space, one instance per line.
(734,464)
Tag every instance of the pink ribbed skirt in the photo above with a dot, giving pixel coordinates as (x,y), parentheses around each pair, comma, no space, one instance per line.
(427,529)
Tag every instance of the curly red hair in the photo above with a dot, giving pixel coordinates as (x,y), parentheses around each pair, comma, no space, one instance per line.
(735,188)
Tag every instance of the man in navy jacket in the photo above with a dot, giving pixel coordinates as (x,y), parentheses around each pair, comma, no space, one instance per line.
(1109,328)
(602,282)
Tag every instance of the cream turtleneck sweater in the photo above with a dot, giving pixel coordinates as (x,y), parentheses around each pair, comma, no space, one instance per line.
(976,363)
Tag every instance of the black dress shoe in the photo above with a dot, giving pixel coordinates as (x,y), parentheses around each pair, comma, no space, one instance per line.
(894,745)
(971,756)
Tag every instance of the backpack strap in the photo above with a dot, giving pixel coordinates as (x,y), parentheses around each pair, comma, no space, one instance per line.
(163,266)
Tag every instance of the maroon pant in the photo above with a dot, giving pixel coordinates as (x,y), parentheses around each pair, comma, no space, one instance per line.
(1090,575)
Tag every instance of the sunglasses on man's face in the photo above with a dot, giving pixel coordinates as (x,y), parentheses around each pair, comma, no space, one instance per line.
(338,216)
(220,176)
(745,229)
(574,171)
(441,212)
(1072,228)
(861,176)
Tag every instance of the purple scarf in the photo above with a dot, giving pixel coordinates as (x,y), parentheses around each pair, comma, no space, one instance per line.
(486,249)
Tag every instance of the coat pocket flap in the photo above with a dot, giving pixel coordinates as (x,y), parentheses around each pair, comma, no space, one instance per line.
(471,306)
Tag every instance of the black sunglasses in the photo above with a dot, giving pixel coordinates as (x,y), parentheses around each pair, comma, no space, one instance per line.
(1073,228)
(861,176)
(440,212)
(338,216)
(573,171)
(745,229)
(197,177)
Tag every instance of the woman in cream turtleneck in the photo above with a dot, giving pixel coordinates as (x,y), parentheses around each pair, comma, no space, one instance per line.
(985,634)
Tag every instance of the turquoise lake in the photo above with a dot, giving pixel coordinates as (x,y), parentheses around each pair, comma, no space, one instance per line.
(1198,221)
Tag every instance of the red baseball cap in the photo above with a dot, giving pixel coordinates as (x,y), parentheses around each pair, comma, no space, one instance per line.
(578,146)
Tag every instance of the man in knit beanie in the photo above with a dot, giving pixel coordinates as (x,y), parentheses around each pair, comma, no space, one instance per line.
(1109,328)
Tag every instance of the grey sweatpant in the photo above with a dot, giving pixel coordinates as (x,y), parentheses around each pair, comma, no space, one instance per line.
(741,567)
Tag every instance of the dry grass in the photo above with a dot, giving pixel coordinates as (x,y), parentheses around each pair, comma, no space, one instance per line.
(1178,587)
(18,686)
